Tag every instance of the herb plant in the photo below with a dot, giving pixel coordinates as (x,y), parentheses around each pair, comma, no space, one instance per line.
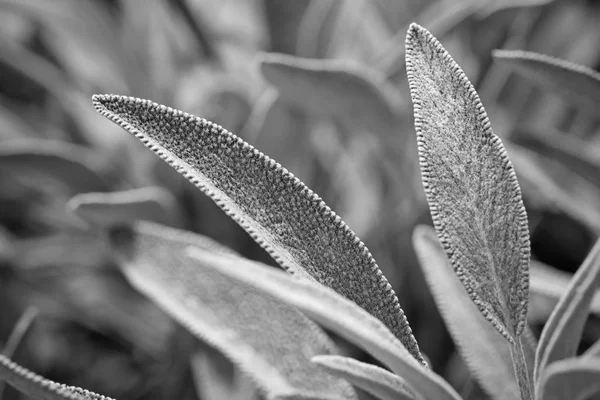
(270,324)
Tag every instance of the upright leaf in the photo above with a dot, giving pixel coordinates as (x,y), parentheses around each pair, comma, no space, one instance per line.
(121,208)
(371,378)
(562,332)
(470,185)
(580,83)
(268,340)
(573,379)
(337,314)
(477,341)
(355,96)
(285,217)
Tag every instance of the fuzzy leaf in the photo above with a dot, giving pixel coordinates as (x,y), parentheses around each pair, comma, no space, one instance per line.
(74,166)
(375,380)
(270,341)
(477,341)
(355,96)
(337,314)
(576,81)
(470,185)
(38,387)
(122,208)
(573,379)
(285,217)
(562,332)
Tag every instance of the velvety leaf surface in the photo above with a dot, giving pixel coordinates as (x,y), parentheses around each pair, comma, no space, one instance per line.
(285,217)
(477,341)
(268,340)
(121,208)
(578,82)
(470,185)
(573,379)
(337,314)
(375,380)
(356,96)
(562,332)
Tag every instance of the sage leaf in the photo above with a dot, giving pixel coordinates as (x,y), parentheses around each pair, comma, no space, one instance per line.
(77,168)
(594,350)
(562,332)
(337,314)
(38,387)
(577,82)
(470,185)
(268,340)
(285,217)
(352,95)
(316,28)
(122,208)
(477,341)
(573,379)
(375,380)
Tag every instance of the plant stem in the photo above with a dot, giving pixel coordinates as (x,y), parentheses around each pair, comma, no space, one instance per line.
(520,367)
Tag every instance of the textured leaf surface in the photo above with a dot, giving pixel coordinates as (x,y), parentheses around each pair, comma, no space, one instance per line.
(562,332)
(285,217)
(36,386)
(470,185)
(356,96)
(339,315)
(122,208)
(573,379)
(375,380)
(580,83)
(477,341)
(270,341)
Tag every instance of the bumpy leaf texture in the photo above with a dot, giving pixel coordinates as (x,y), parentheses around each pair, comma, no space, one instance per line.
(285,217)
(470,185)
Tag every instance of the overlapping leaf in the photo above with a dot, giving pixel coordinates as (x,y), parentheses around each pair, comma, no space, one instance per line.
(337,314)
(477,341)
(562,332)
(285,217)
(270,341)
(470,185)
(375,380)
(573,379)
(580,83)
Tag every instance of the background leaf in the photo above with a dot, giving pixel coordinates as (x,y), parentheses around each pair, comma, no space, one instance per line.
(575,378)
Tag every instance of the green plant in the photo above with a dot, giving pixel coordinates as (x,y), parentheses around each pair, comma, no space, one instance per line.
(249,312)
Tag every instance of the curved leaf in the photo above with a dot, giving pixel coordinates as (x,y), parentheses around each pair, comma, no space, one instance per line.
(285,217)
(470,185)
(573,379)
(268,340)
(375,380)
(122,208)
(337,314)
(580,83)
(594,350)
(353,95)
(562,332)
(477,341)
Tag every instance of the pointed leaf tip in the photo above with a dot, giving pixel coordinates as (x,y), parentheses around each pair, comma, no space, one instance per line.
(470,185)
(281,214)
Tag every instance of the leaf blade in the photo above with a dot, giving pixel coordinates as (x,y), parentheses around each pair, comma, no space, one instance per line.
(285,217)
(457,152)
(574,378)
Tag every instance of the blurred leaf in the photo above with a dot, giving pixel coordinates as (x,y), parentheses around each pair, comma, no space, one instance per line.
(268,340)
(477,341)
(594,350)
(316,28)
(339,315)
(19,331)
(122,208)
(562,332)
(375,380)
(470,185)
(573,379)
(76,167)
(495,6)
(267,201)
(579,83)
(353,95)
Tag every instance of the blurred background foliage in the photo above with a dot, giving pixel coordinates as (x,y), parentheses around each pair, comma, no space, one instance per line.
(91,329)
